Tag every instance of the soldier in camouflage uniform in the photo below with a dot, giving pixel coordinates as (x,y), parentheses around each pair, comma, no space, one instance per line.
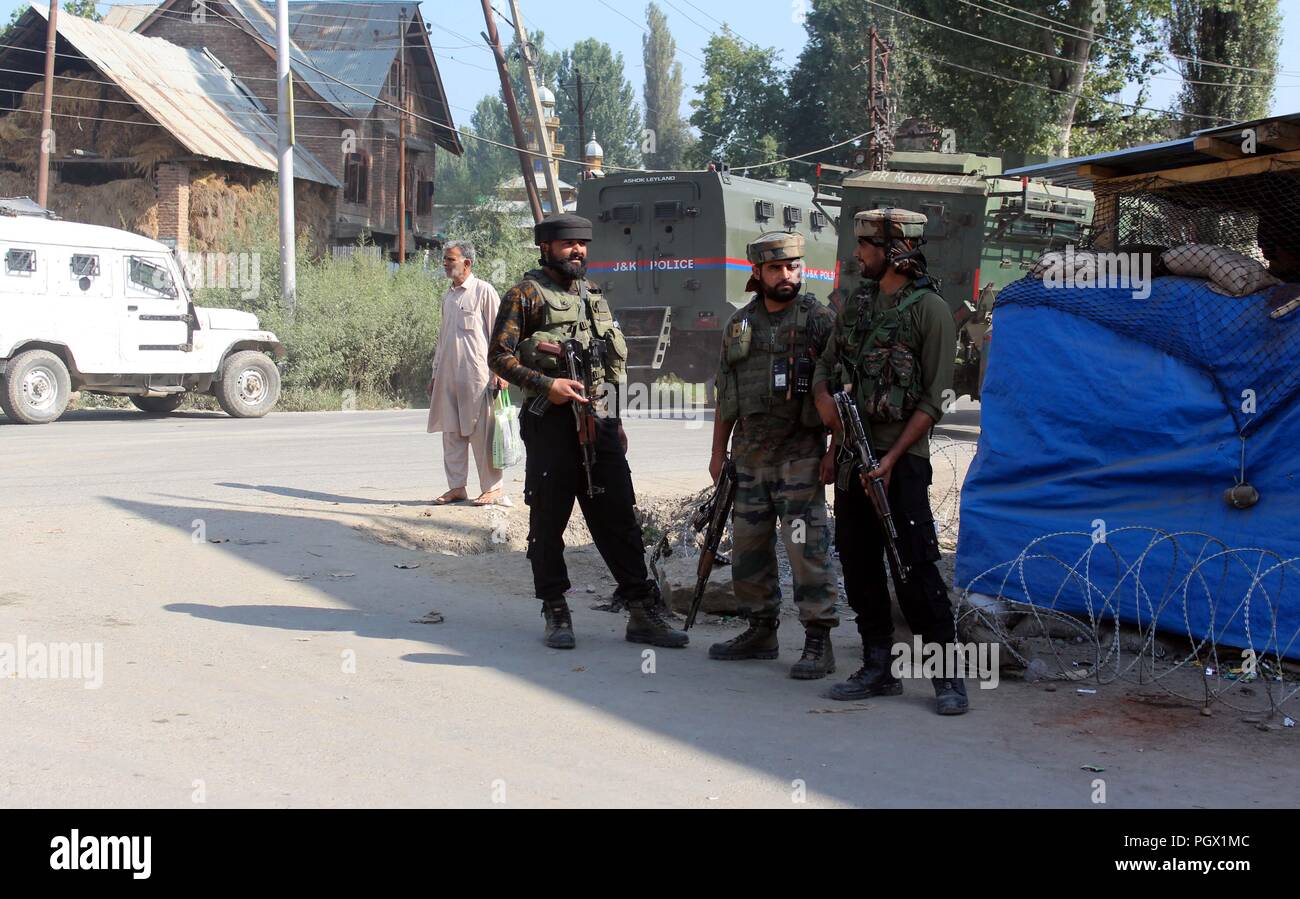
(769,348)
(554,303)
(893,352)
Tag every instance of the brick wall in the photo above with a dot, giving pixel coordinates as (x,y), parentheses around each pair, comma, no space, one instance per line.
(173,184)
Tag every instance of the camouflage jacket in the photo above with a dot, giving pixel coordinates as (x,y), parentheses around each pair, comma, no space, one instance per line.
(522,313)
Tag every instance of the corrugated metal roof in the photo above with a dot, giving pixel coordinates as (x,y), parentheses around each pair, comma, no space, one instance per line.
(188,94)
(354,42)
(128,15)
(1141,159)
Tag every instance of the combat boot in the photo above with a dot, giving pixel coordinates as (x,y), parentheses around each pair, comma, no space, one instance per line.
(872,679)
(757,642)
(950,696)
(818,659)
(645,624)
(559,624)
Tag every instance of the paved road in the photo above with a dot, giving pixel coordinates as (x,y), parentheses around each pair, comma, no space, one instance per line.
(281,666)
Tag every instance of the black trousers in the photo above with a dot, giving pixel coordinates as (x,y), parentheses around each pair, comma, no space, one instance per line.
(859,539)
(554,477)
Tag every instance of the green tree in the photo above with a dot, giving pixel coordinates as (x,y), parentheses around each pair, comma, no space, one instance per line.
(663,94)
(83,8)
(740,109)
(1245,33)
(611,111)
(13,19)
(1072,56)
(487,165)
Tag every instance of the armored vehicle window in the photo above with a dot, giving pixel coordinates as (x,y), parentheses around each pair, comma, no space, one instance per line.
(84,266)
(763,210)
(626,213)
(935,225)
(817,220)
(668,210)
(20,262)
(149,276)
(793,216)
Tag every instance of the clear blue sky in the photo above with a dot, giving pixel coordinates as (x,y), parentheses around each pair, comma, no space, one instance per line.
(468,72)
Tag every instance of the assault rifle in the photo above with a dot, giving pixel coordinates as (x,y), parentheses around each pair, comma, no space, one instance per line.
(857,443)
(577,366)
(712,520)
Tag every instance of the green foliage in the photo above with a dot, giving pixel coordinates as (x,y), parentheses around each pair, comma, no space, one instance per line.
(663,94)
(83,8)
(1246,33)
(611,113)
(741,105)
(1072,55)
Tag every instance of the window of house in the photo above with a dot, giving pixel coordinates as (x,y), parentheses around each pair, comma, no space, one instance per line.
(423,195)
(356,178)
(20,262)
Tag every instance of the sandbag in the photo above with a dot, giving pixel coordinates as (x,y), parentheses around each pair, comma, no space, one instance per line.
(1229,272)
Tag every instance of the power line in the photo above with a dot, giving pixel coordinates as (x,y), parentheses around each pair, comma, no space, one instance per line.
(720,22)
(1126,44)
(1043,87)
(644,29)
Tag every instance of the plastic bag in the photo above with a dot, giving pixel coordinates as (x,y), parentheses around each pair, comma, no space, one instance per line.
(507,445)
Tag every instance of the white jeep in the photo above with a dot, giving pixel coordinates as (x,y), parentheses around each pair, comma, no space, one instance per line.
(106,311)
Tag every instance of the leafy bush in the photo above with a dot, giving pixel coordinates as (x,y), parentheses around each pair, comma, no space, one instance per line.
(361,323)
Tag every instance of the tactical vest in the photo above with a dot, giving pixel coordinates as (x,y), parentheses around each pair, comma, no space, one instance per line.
(752,346)
(880,356)
(566,316)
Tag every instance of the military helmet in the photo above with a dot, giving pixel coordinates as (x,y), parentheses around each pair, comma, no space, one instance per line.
(775,246)
(564,226)
(900,223)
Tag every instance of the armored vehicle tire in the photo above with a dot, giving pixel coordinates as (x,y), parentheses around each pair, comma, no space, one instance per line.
(36,388)
(158,405)
(249,386)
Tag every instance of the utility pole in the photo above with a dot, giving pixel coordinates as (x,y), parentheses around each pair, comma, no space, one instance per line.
(539,115)
(285,138)
(582,112)
(401,138)
(880,143)
(512,111)
(47,108)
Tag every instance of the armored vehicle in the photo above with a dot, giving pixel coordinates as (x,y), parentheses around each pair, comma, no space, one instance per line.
(984,232)
(101,310)
(669,253)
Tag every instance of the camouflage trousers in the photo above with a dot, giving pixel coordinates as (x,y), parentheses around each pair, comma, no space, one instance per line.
(793,493)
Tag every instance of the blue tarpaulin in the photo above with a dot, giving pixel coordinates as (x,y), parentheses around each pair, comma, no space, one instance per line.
(1110,428)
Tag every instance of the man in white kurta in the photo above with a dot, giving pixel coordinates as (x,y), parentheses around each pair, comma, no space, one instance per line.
(459,391)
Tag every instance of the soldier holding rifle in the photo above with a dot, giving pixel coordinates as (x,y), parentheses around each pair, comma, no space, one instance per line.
(764,394)
(892,355)
(555,338)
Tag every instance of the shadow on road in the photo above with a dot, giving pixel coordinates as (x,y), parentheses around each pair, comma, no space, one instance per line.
(749,713)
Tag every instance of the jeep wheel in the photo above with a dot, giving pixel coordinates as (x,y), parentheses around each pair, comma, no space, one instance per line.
(36,388)
(249,385)
(158,405)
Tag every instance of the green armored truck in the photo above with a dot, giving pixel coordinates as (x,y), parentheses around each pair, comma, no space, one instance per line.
(669,253)
(984,231)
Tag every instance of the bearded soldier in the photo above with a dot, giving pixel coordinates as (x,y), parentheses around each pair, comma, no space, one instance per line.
(553,305)
(892,351)
(764,382)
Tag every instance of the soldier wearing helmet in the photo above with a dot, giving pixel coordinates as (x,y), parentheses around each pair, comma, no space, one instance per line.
(765,410)
(555,303)
(892,351)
